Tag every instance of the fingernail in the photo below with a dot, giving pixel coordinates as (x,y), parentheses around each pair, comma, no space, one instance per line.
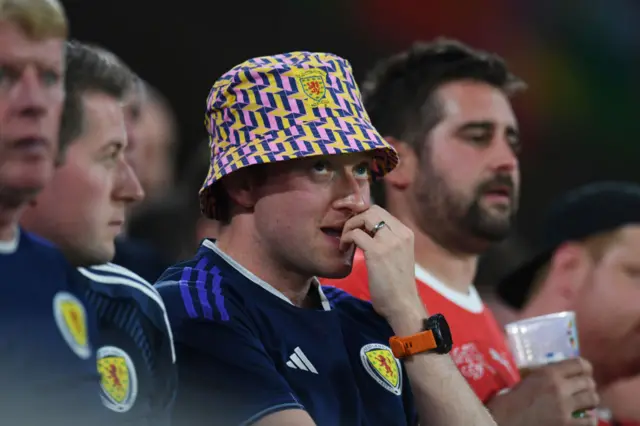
(348,255)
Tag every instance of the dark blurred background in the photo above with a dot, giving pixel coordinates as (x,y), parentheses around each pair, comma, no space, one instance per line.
(580,58)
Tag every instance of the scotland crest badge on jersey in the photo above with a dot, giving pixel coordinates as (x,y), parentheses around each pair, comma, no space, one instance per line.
(71,319)
(379,362)
(118,379)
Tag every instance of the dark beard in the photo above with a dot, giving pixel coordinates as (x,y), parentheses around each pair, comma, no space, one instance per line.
(15,198)
(455,222)
(481,223)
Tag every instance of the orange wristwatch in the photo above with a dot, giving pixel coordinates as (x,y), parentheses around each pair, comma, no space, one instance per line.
(435,337)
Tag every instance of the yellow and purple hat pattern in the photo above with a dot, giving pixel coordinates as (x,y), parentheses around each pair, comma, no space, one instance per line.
(288,106)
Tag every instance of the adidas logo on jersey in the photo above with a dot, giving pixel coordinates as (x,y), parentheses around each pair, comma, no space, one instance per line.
(298,360)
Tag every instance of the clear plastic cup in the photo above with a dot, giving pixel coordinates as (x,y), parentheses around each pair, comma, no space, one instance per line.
(543,340)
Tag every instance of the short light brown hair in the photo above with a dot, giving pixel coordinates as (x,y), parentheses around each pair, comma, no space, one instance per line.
(90,69)
(39,19)
(399,92)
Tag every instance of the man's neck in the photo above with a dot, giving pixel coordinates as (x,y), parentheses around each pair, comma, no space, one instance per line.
(238,244)
(502,312)
(456,271)
(8,223)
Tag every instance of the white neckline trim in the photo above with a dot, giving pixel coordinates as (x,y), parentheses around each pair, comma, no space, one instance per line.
(470,301)
(11,246)
(268,287)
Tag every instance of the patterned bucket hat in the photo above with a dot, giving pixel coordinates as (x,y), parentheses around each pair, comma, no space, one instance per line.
(284,107)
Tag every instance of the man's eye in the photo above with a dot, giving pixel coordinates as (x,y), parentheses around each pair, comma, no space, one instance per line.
(321,166)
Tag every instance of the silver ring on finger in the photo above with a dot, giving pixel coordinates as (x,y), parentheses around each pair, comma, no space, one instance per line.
(378,227)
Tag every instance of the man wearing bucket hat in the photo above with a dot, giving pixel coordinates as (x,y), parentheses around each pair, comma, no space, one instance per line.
(258,340)
(590,264)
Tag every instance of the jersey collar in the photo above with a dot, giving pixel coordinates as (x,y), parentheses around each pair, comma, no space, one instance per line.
(11,246)
(469,301)
(315,284)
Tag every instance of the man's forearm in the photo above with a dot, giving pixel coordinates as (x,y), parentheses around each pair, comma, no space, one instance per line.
(442,396)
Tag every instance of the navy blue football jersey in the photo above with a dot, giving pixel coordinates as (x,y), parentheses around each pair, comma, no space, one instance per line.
(47,362)
(245,351)
(135,352)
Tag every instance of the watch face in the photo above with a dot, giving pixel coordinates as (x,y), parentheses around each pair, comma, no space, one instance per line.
(442,333)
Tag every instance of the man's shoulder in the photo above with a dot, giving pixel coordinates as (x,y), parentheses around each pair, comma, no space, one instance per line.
(118,281)
(113,286)
(203,288)
(203,273)
(40,250)
(39,263)
(354,310)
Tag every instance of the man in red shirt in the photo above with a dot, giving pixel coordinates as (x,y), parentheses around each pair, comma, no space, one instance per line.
(445,107)
(590,264)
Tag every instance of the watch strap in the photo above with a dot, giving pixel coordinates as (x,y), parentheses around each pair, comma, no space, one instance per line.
(403,347)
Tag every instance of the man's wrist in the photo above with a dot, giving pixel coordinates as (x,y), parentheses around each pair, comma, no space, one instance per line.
(408,321)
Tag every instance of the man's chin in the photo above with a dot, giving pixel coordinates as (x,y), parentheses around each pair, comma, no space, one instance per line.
(497,209)
(20,189)
(492,231)
(496,222)
(493,235)
(92,255)
(336,272)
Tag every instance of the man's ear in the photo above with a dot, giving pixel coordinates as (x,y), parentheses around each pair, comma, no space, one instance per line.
(240,187)
(403,175)
(571,265)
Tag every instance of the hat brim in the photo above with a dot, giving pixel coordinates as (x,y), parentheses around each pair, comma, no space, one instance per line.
(515,288)
(326,136)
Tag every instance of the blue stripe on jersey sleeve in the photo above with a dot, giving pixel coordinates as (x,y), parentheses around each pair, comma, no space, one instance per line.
(216,289)
(209,281)
(198,289)
(203,299)
(185,291)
